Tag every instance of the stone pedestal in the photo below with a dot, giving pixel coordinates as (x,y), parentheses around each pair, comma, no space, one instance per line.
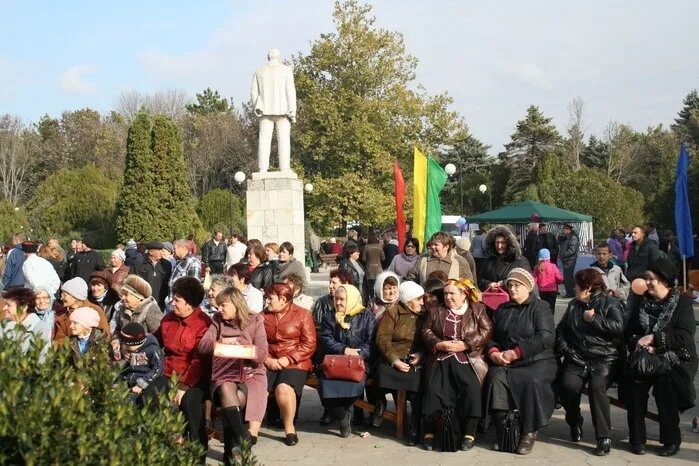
(275,210)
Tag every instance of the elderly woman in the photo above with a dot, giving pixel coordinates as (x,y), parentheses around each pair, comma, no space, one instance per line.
(291,335)
(73,296)
(288,264)
(218,284)
(503,254)
(351,265)
(86,339)
(137,305)
(401,350)
(103,295)
(117,271)
(179,334)
(523,363)
(661,324)
(403,263)
(261,270)
(44,309)
(18,313)
(442,257)
(588,339)
(455,335)
(347,331)
(237,383)
(240,280)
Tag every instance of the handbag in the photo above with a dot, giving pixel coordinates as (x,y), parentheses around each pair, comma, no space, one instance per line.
(493,299)
(449,431)
(511,432)
(344,367)
(644,365)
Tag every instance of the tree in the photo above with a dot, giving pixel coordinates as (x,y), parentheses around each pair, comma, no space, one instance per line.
(170,102)
(82,200)
(15,159)
(576,133)
(359,109)
(595,154)
(534,137)
(221,209)
(13,220)
(687,121)
(209,102)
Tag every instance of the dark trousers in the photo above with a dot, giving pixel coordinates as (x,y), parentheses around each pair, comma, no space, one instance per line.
(216,267)
(668,411)
(192,407)
(599,403)
(569,275)
(149,395)
(549,297)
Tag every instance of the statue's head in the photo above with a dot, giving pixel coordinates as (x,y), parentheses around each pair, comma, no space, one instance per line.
(273,54)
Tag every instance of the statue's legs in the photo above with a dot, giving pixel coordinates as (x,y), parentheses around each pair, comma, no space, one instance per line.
(264,142)
(284,142)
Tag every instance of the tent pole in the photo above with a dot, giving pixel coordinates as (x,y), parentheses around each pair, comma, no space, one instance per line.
(684,271)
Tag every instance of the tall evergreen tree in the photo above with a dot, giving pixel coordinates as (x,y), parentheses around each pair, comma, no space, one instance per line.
(209,102)
(534,137)
(595,154)
(687,121)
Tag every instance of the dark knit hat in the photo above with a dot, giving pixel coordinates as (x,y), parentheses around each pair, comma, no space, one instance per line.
(30,247)
(137,287)
(190,289)
(90,241)
(132,334)
(665,270)
(522,276)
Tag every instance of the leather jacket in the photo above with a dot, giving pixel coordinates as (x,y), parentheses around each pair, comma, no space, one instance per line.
(262,276)
(476,330)
(589,344)
(291,333)
(210,252)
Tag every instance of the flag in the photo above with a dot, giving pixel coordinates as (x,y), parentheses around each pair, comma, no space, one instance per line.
(419,195)
(436,179)
(400,200)
(683,215)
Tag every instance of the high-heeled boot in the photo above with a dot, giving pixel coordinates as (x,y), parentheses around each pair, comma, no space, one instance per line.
(499,417)
(233,431)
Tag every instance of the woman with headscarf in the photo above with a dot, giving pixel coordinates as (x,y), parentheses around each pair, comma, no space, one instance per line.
(405,261)
(455,335)
(348,331)
(44,309)
(663,324)
(523,363)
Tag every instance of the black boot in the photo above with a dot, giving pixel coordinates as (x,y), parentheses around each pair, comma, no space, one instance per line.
(228,443)
(499,417)
(377,415)
(344,416)
(233,423)
(414,434)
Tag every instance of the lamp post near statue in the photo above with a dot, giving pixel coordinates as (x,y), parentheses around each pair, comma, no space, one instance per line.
(483,188)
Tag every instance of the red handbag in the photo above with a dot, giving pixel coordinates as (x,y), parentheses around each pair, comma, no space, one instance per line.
(493,299)
(344,367)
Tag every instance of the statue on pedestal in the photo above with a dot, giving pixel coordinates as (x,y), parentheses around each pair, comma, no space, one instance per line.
(274,100)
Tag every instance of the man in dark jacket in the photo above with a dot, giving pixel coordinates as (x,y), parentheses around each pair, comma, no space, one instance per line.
(643,253)
(531,245)
(568,246)
(13,277)
(156,271)
(213,253)
(547,240)
(87,261)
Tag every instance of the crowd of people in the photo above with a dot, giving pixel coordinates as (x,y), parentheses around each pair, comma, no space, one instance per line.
(237,331)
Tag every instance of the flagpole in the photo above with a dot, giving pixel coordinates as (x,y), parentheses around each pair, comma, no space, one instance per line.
(684,271)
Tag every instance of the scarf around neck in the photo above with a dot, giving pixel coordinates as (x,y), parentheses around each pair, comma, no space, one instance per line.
(353,305)
(664,309)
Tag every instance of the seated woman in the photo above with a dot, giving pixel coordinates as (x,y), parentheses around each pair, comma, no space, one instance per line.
(348,331)
(401,351)
(237,383)
(588,339)
(524,365)
(288,264)
(45,312)
(18,318)
(240,280)
(179,334)
(73,296)
(86,339)
(137,305)
(102,294)
(405,261)
(455,334)
(291,336)
(261,269)
(351,265)
(218,283)
(662,323)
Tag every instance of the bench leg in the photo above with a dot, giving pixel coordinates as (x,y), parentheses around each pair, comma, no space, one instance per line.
(400,414)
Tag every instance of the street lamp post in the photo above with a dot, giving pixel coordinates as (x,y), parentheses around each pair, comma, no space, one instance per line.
(483,188)
(239,178)
(450,169)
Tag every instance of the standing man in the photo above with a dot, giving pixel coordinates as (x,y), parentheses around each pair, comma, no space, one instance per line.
(236,251)
(13,277)
(531,245)
(314,243)
(273,98)
(547,240)
(568,245)
(156,271)
(213,253)
(38,271)
(87,260)
(478,249)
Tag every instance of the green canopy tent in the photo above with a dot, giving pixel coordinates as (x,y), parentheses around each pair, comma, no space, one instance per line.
(525,212)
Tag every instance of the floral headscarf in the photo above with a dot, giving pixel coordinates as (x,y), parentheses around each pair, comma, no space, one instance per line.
(354,305)
(473,294)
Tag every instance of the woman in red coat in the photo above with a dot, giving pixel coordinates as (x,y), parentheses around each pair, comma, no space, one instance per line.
(291,335)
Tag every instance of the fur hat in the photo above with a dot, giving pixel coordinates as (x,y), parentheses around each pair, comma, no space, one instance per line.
(463,243)
(76,287)
(522,276)
(132,334)
(86,316)
(408,291)
(137,287)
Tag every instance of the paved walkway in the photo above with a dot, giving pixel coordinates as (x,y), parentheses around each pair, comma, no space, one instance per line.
(320,445)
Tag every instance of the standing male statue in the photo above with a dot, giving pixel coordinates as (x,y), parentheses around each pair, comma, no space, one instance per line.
(274,99)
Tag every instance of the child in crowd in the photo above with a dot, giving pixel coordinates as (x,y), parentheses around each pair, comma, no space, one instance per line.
(144,358)
(617,284)
(547,277)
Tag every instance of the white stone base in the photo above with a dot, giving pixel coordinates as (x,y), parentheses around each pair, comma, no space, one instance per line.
(275,210)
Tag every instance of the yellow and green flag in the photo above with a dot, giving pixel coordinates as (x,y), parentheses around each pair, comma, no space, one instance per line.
(429,179)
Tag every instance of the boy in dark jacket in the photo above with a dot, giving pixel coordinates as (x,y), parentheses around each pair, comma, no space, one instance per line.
(144,363)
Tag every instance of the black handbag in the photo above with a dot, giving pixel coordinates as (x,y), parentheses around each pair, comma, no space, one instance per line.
(449,431)
(511,432)
(644,365)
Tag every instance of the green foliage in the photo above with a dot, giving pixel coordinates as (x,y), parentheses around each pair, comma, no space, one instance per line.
(687,121)
(13,221)
(155,200)
(473,164)
(209,102)
(591,192)
(53,413)
(595,154)
(81,200)
(222,210)
(359,110)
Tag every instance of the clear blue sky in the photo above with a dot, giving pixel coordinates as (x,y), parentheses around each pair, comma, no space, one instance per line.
(630,61)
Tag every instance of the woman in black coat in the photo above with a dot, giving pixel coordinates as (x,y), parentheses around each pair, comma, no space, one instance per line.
(524,366)
(663,324)
(503,254)
(261,270)
(588,339)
